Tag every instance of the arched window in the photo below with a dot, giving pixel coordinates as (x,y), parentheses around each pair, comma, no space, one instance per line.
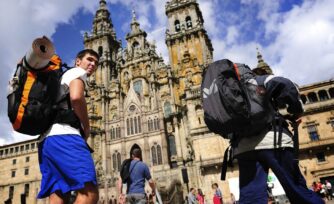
(151,125)
(114,162)
(155,124)
(136,128)
(158,125)
(128,126)
(303,98)
(331,92)
(119,161)
(113,136)
(172,146)
(131,126)
(135,44)
(312,97)
(177,26)
(323,95)
(100,50)
(167,109)
(137,86)
(139,125)
(159,154)
(188,22)
(154,155)
(118,132)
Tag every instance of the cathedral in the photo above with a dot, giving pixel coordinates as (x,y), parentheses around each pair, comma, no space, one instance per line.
(136,99)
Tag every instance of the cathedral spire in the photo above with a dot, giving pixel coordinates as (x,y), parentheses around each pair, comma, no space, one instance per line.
(134,18)
(135,27)
(103,5)
(262,67)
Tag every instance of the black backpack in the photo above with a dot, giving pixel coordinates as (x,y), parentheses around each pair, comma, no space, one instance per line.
(32,96)
(125,170)
(235,103)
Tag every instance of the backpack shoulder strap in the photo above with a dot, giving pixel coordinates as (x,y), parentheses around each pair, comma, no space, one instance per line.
(128,181)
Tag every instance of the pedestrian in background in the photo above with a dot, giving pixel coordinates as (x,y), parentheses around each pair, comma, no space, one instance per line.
(200,196)
(217,196)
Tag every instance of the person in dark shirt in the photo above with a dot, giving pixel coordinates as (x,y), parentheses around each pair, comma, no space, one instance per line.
(273,148)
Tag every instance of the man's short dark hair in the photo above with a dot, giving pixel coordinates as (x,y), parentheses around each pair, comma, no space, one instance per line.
(136,152)
(82,53)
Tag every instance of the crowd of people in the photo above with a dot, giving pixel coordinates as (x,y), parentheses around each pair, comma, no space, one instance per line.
(324,190)
(197,196)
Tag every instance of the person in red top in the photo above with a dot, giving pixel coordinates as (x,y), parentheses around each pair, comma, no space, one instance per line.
(200,196)
(218,196)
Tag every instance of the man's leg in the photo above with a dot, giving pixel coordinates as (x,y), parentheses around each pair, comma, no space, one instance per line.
(59,198)
(88,195)
(285,167)
(252,180)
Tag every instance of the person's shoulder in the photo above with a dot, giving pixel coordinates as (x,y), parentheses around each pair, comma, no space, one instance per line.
(74,73)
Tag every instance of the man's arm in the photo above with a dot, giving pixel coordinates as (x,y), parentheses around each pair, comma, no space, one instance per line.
(78,103)
(152,185)
(284,91)
(121,198)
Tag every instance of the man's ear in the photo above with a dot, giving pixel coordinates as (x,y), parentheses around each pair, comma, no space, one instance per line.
(77,62)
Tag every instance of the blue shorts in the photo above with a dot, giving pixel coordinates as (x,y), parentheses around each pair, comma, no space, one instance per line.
(65,163)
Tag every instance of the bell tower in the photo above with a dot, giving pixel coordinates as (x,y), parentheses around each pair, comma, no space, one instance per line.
(190,49)
(102,39)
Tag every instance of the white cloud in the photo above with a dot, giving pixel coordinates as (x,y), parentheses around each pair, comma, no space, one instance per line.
(21,21)
(303,48)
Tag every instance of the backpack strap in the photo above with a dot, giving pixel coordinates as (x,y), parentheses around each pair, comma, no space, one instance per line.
(236,69)
(128,181)
(228,161)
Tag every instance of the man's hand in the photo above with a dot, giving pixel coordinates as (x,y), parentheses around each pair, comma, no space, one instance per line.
(121,198)
(153,193)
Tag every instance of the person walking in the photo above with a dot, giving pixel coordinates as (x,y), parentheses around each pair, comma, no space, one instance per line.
(139,173)
(200,196)
(329,189)
(192,196)
(273,148)
(217,196)
(65,159)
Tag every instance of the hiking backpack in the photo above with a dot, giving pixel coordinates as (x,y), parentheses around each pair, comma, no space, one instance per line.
(32,96)
(235,103)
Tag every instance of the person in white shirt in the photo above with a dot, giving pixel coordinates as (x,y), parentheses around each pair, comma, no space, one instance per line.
(64,156)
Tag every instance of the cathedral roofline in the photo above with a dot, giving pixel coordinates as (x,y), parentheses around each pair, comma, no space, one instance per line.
(316,84)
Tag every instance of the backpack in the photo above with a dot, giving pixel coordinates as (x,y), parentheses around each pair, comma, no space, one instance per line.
(32,96)
(234,102)
(125,170)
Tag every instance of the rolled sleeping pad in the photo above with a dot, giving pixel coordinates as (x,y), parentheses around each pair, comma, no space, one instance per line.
(39,55)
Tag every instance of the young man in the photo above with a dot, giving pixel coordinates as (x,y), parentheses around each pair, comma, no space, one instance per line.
(64,156)
(139,172)
(273,148)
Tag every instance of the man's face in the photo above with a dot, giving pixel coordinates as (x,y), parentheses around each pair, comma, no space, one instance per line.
(88,62)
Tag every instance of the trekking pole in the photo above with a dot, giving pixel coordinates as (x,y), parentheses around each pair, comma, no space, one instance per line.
(158,197)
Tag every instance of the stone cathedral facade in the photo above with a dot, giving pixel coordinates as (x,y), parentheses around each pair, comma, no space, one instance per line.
(136,99)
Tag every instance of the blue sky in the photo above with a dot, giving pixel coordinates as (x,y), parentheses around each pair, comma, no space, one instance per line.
(295,37)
